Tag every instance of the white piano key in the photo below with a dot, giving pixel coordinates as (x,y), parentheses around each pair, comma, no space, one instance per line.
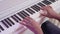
(13,17)
(11,29)
(2,25)
(35,7)
(33,10)
(27,12)
(50,1)
(13,20)
(43,3)
(46,2)
(8,22)
(19,17)
(22,12)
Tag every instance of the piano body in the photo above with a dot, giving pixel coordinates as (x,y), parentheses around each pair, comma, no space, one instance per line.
(13,11)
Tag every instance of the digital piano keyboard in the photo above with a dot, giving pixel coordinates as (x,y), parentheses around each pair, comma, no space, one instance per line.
(10,16)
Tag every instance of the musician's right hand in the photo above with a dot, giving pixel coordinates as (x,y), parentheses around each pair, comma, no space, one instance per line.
(49,12)
(32,25)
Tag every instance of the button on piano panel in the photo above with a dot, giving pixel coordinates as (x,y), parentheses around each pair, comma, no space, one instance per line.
(7,22)
(35,7)
(30,11)
(21,15)
(40,4)
(3,22)
(10,21)
(46,2)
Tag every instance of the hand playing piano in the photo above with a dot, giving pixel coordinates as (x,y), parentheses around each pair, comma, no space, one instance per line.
(32,25)
(48,12)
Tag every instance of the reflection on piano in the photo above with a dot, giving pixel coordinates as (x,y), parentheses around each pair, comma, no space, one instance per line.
(9,22)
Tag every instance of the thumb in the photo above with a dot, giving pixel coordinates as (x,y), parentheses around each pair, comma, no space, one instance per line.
(43,13)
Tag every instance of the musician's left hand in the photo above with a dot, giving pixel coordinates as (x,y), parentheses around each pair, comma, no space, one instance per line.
(32,25)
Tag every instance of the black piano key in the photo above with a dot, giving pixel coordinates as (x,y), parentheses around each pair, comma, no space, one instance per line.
(7,22)
(46,2)
(40,4)
(24,13)
(1,28)
(21,15)
(32,11)
(35,7)
(11,21)
(4,23)
(17,17)
(29,10)
(52,0)
(13,17)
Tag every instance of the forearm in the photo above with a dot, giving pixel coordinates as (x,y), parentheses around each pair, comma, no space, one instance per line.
(57,17)
(39,31)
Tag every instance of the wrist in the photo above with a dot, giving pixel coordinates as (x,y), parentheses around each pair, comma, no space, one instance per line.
(57,17)
(39,31)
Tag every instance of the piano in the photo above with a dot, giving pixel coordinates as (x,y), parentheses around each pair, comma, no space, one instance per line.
(14,11)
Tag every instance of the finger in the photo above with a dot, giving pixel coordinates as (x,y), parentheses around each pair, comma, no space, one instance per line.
(29,19)
(49,6)
(43,15)
(42,8)
(23,24)
(26,21)
(28,26)
(23,21)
